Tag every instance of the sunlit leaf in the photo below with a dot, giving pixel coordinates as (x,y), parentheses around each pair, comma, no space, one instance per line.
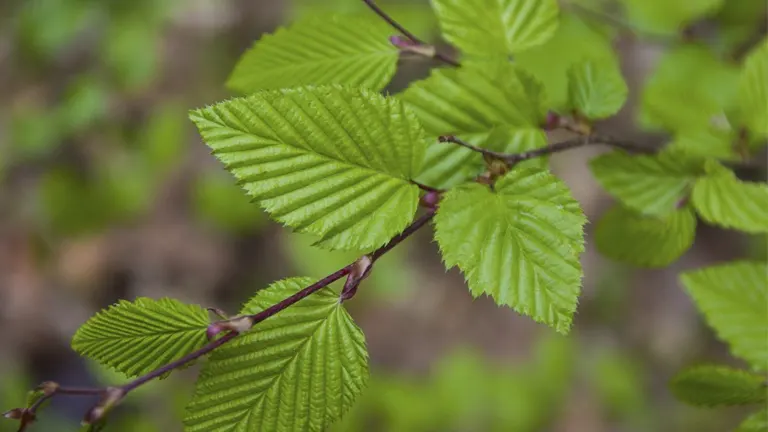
(299,370)
(331,161)
(137,337)
(323,49)
(488,28)
(519,243)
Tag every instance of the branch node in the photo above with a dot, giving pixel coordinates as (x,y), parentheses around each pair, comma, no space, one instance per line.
(238,325)
(112,397)
(430,200)
(360,270)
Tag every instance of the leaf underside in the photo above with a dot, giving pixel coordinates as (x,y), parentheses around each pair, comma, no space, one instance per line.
(138,337)
(332,161)
(519,244)
(297,371)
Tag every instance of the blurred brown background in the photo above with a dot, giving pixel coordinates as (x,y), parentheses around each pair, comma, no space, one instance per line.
(107,192)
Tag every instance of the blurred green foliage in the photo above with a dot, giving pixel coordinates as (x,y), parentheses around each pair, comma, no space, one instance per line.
(99,166)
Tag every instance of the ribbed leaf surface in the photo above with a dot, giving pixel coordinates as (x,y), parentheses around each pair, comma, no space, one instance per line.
(645,240)
(719,385)
(722,199)
(487,28)
(519,244)
(138,337)
(332,161)
(323,49)
(650,184)
(596,88)
(734,299)
(448,164)
(473,100)
(297,371)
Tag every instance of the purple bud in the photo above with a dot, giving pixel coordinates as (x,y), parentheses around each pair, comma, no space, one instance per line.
(14,414)
(400,42)
(430,199)
(552,121)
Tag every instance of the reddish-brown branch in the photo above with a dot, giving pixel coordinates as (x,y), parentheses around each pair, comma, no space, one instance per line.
(111,396)
(513,158)
(411,37)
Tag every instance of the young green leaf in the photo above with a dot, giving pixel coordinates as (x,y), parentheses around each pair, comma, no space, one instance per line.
(688,90)
(649,184)
(332,161)
(448,164)
(707,142)
(596,88)
(753,91)
(138,337)
(734,299)
(474,100)
(645,240)
(757,422)
(660,16)
(719,385)
(722,199)
(488,28)
(520,244)
(327,49)
(574,41)
(297,371)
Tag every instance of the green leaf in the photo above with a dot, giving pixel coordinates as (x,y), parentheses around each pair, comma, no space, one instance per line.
(707,142)
(649,184)
(689,90)
(753,90)
(448,164)
(488,28)
(519,244)
(573,42)
(734,299)
(645,240)
(298,370)
(324,49)
(596,88)
(138,337)
(332,161)
(472,100)
(722,199)
(660,16)
(757,422)
(719,385)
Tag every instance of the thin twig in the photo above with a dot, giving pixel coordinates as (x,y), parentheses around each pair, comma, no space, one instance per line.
(513,158)
(112,395)
(405,32)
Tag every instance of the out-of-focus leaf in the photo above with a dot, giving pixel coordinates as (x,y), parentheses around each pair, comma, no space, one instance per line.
(573,42)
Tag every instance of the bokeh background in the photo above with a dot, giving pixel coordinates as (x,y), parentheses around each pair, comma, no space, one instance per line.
(107,192)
